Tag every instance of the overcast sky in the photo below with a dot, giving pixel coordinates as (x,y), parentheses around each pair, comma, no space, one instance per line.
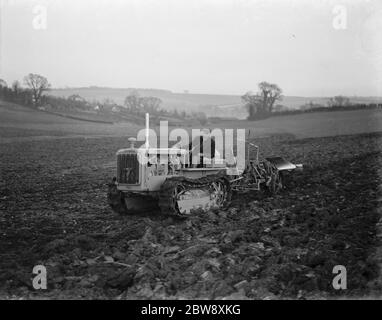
(209,46)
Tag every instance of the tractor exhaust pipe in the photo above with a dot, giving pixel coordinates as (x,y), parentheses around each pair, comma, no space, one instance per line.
(147,130)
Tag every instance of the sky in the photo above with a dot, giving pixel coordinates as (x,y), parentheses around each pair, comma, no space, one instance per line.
(307,47)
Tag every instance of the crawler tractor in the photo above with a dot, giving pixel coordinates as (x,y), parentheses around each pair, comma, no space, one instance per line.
(179,188)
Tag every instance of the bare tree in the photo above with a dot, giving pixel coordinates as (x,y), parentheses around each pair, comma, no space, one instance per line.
(133,102)
(262,103)
(252,103)
(16,87)
(38,84)
(3,83)
(139,105)
(151,104)
(269,94)
(339,101)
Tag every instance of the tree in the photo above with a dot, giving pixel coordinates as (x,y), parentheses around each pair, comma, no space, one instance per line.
(261,104)
(38,84)
(3,83)
(339,101)
(252,103)
(133,102)
(139,105)
(16,87)
(151,104)
(269,93)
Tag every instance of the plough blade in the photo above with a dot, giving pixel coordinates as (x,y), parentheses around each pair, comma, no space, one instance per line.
(282,164)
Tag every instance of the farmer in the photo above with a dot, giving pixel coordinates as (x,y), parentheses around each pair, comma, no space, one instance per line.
(202,149)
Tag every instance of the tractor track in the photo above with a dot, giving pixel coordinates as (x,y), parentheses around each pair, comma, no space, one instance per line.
(167,203)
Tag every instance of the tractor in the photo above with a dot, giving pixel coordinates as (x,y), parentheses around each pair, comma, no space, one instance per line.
(181,188)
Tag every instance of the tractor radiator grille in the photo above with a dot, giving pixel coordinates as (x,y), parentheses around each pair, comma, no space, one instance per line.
(127,168)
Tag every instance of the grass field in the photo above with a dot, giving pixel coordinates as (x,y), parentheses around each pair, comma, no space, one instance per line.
(21,123)
(317,124)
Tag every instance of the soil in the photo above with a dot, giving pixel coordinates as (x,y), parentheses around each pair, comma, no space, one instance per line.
(54,213)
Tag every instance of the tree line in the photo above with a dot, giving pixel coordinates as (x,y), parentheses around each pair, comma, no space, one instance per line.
(262,104)
(33,94)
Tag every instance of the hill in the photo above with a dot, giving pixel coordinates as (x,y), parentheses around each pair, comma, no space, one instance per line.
(211,104)
(170,100)
(22,122)
(26,123)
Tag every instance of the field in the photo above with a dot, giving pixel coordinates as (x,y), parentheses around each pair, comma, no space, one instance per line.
(19,123)
(211,104)
(54,212)
(170,101)
(315,124)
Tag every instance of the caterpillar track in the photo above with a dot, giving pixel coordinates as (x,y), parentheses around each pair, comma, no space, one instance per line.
(115,198)
(130,203)
(180,196)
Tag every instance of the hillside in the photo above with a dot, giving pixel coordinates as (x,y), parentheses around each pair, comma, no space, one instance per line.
(211,104)
(27,123)
(170,100)
(23,123)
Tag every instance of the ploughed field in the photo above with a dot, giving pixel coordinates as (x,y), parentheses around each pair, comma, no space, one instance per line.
(53,211)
